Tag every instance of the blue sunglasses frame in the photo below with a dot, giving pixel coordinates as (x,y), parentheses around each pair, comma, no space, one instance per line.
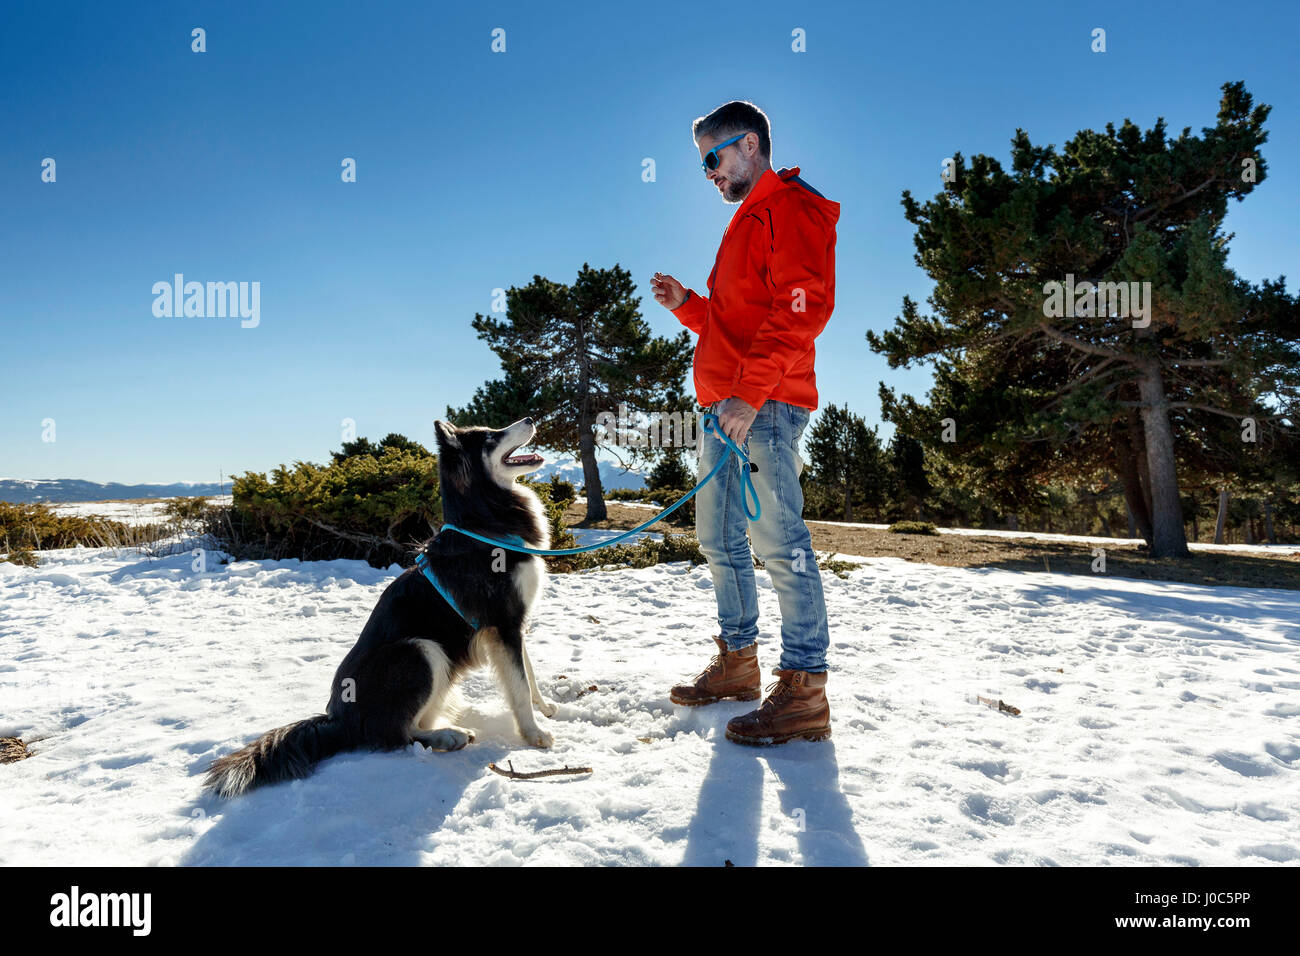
(714,152)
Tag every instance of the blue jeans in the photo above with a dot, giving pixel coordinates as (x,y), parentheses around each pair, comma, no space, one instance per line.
(781,538)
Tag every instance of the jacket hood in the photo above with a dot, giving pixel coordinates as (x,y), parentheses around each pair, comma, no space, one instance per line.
(789,179)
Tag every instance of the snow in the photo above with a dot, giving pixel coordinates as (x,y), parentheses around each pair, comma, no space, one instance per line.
(648,506)
(590,536)
(1159,724)
(127,512)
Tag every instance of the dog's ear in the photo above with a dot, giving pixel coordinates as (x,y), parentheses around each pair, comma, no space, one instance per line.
(446,434)
(451,456)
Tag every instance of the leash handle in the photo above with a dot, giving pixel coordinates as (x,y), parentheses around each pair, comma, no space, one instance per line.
(708,421)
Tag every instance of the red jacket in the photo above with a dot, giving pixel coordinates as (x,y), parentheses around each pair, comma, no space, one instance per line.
(771,292)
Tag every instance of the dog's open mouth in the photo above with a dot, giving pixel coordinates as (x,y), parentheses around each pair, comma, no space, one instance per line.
(527,458)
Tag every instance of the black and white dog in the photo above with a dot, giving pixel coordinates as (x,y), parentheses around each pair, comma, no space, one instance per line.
(398,681)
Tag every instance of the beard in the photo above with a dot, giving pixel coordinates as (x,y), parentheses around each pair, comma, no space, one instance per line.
(737,189)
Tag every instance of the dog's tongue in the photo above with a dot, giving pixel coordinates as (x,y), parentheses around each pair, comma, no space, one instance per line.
(527,459)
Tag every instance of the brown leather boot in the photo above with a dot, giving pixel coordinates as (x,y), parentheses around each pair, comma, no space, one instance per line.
(731,675)
(796,706)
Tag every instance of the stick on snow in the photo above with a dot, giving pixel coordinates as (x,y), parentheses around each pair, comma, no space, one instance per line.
(514,774)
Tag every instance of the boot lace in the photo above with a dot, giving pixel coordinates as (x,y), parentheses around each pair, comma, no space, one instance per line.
(776,692)
(715,664)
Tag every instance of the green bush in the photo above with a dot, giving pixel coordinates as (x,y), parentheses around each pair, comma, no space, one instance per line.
(563,491)
(33,526)
(24,556)
(626,494)
(667,497)
(379,508)
(561,538)
(186,512)
(643,554)
(912,527)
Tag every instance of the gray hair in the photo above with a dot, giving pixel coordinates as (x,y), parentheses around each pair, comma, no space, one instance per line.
(738,116)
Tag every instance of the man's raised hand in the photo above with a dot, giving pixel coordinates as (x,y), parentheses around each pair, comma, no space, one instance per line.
(668,292)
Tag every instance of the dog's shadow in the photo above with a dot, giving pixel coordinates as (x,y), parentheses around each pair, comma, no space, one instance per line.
(365,808)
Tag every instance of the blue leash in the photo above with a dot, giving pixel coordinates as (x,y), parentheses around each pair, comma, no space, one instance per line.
(708,422)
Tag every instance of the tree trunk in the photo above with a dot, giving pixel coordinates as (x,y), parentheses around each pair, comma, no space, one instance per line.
(1268,520)
(591,474)
(1250,530)
(848,498)
(596,510)
(1169,537)
(1128,452)
(1221,521)
(1144,474)
(1013,522)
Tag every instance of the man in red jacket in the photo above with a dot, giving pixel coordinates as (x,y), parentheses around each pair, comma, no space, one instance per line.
(771,293)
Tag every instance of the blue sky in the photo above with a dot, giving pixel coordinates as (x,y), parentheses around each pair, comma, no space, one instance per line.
(477,170)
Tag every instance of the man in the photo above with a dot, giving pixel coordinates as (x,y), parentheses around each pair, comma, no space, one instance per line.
(771,292)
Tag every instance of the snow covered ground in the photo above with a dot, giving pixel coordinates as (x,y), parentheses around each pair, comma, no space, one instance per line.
(128,512)
(590,536)
(1159,723)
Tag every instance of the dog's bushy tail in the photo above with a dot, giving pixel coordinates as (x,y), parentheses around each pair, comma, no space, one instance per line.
(286,753)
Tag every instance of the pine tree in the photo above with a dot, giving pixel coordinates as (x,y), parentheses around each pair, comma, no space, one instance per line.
(671,472)
(908,481)
(845,459)
(569,353)
(363,446)
(1044,378)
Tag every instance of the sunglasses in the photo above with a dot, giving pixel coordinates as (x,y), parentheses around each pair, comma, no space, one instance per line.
(711,157)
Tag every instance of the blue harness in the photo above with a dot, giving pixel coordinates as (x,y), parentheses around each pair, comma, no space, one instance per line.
(422,562)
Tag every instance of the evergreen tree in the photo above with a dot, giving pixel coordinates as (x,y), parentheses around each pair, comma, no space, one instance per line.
(1043,377)
(909,484)
(358,446)
(846,460)
(569,353)
(363,446)
(671,472)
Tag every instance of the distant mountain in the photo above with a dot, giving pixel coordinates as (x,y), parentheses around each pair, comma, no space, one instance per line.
(611,475)
(20,490)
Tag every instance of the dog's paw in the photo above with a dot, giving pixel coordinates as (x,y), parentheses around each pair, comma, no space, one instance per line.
(547,708)
(538,737)
(444,738)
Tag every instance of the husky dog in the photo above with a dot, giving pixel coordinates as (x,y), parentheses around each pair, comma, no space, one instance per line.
(398,681)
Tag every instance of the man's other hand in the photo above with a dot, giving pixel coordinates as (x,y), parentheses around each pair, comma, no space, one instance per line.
(668,292)
(735,415)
